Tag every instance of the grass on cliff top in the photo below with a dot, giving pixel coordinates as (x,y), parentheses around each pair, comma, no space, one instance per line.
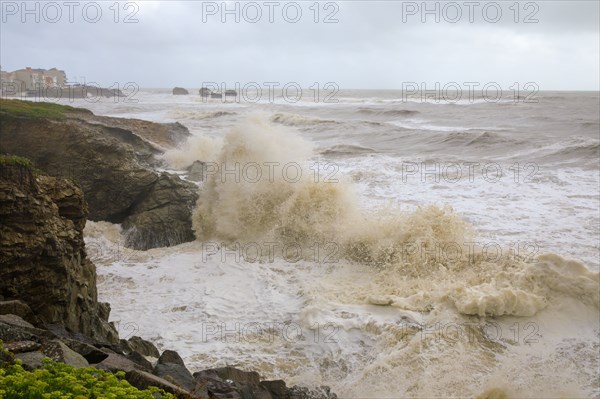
(60,381)
(9,160)
(12,160)
(32,109)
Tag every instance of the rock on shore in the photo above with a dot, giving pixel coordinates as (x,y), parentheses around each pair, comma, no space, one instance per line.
(42,253)
(180,91)
(113,161)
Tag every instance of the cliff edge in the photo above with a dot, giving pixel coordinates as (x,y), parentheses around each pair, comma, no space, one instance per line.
(43,261)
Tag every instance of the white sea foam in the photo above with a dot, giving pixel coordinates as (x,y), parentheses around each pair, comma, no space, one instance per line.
(381,320)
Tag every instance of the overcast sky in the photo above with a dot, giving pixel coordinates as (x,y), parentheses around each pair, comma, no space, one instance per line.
(374,44)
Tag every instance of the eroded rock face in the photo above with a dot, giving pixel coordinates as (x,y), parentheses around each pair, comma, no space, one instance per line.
(162,217)
(112,160)
(42,254)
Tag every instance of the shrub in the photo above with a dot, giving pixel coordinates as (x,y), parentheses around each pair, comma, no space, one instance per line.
(60,381)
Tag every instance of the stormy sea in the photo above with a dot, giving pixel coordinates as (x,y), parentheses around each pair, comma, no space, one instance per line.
(382,244)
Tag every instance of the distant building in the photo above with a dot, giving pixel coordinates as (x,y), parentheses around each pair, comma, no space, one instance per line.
(28,78)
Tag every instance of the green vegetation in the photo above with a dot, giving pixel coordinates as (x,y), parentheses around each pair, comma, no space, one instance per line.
(61,381)
(7,160)
(36,109)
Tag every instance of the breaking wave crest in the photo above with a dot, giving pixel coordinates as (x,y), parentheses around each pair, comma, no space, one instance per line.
(183,114)
(420,260)
(346,149)
(299,120)
(389,112)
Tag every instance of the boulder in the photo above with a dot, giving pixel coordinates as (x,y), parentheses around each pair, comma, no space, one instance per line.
(216,387)
(276,388)
(231,383)
(19,308)
(59,352)
(115,362)
(140,360)
(91,353)
(179,91)
(144,347)
(11,332)
(200,392)
(31,360)
(22,346)
(15,321)
(170,357)
(43,261)
(143,380)
(177,374)
(237,375)
(13,328)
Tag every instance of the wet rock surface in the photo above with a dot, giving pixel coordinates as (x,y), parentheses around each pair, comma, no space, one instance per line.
(43,262)
(113,161)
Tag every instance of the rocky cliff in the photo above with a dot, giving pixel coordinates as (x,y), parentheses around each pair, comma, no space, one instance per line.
(49,306)
(42,253)
(113,160)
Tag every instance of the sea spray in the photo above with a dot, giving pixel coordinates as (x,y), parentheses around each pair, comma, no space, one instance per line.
(429,250)
(413,316)
(197,147)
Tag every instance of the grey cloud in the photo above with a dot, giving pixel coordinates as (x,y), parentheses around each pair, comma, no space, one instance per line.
(371,46)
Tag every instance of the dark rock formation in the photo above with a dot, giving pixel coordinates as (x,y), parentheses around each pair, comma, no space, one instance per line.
(176,374)
(115,362)
(92,354)
(180,91)
(42,253)
(170,357)
(169,373)
(276,388)
(19,308)
(140,360)
(196,171)
(205,92)
(143,347)
(170,366)
(22,346)
(13,328)
(162,218)
(158,136)
(112,161)
(236,375)
(229,382)
(59,352)
(143,380)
